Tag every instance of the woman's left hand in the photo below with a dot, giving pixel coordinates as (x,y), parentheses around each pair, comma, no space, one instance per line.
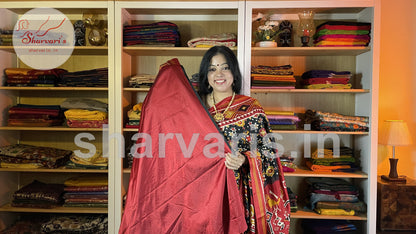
(234,162)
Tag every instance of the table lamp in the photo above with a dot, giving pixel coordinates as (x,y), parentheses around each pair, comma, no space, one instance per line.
(394,133)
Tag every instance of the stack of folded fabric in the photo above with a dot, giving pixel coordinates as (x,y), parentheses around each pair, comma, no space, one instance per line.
(38,195)
(155,34)
(6,37)
(75,224)
(288,164)
(32,77)
(142,81)
(86,78)
(326,79)
(272,77)
(342,33)
(338,122)
(325,121)
(328,226)
(282,120)
(28,156)
(225,39)
(293,200)
(97,161)
(334,196)
(133,116)
(25,115)
(86,191)
(324,160)
(85,113)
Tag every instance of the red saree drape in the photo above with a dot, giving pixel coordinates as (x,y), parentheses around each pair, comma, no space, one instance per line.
(175,192)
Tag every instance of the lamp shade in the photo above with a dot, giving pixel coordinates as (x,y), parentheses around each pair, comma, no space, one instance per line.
(395,133)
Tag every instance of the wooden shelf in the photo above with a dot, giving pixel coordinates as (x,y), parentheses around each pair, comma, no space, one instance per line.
(254,90)
(58,128)
(136,89)
(61,209)
(309,51)
(299,172)
(302,214)
(166,51)
(78,50)
(56,170)
(54,88)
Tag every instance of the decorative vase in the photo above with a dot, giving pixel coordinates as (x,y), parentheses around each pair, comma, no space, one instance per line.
(266,44)
(306,27)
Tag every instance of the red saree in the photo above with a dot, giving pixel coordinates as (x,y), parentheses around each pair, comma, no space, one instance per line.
(261,181)
(171,191)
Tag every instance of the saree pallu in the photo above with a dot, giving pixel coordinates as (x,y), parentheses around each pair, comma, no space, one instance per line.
(172,191)
(260,180)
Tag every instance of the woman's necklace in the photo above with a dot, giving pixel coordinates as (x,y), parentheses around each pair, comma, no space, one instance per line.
(220,116)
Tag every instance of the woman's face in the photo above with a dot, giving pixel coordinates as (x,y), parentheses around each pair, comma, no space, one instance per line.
(219,75)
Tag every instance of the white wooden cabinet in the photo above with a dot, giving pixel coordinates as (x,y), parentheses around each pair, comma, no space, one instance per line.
(361,100)
(82,58)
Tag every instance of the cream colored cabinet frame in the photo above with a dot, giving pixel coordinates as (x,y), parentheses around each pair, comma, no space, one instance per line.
(194,19)
(83,58)
(362,100)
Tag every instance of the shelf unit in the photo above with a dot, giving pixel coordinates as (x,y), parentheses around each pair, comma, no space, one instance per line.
(198,18)
(194,19)
(359,101)
(83,58)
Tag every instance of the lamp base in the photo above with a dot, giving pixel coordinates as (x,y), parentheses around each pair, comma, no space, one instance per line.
(398,180)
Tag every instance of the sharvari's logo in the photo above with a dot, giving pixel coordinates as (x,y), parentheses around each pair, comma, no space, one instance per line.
(43,38)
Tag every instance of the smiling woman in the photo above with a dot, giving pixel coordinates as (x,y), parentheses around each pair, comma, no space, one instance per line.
(243,122)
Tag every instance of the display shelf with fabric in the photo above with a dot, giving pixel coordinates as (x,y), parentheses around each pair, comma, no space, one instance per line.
(34,126)
(350,95)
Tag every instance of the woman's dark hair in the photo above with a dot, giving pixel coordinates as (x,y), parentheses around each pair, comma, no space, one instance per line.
(204,87)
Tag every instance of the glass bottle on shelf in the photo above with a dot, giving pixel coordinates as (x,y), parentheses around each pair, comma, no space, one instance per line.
(306,27)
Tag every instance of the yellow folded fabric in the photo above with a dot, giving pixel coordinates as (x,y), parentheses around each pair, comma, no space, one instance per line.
(96,160)
(87,180)
(334,212)
(83,114)
(20,165)
(329,86)
(270,112)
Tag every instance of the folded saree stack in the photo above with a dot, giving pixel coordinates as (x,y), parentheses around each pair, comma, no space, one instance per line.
(328,226)
(325,121)
(86,191)
(134,115)
(334,196)
(342,33)
(326,79)
(154,34)
(282,120)
(29,156)
(272,77)
(142,81)
(25,115)
(86,78)
(225,39)
(6,37)
(32,78)
(38,195)
(97,161)
(85,113)
(324,160)
(293,200)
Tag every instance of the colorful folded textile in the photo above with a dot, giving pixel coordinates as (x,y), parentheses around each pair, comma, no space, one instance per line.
(154,34)
(83,114)
(84,103)
(142,81)
(342,33)
(38,194)
(356,206)
(334,211)
(72,123)
(225,39)
(76,224)
(97,161)
(46,156)
(87,78)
